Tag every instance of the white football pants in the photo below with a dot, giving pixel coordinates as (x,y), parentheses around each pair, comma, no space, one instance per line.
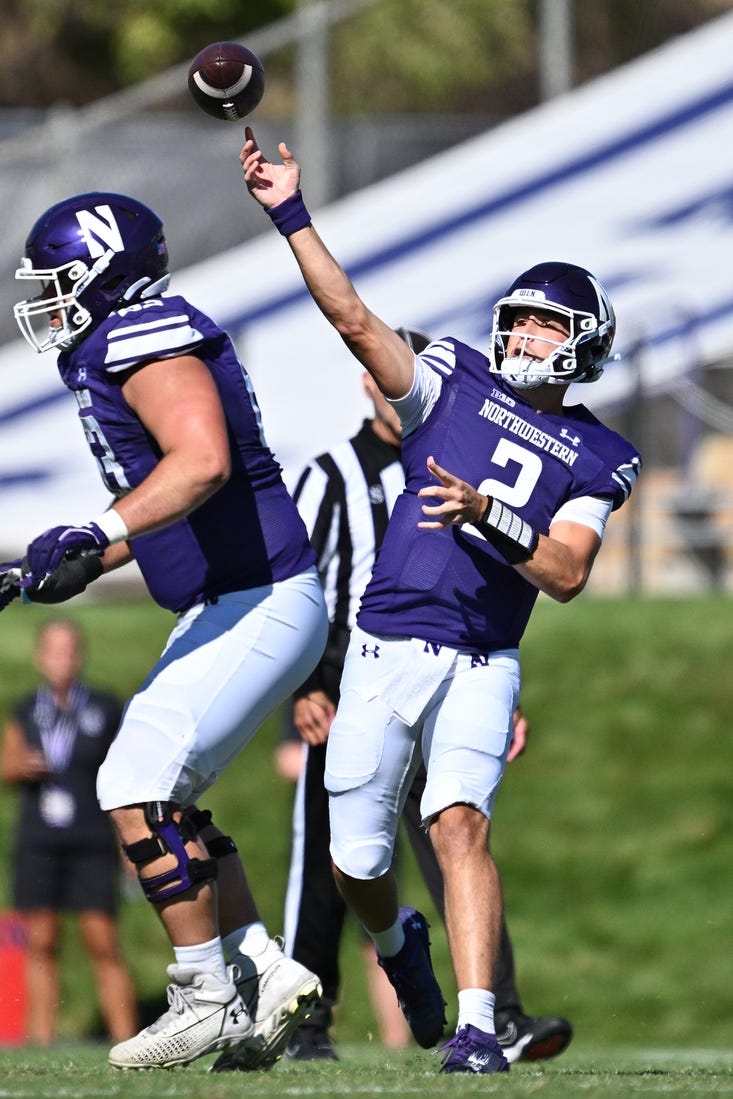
(226,667)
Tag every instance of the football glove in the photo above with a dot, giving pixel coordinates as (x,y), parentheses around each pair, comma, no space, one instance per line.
(70,578)
(10,574)
(46,552)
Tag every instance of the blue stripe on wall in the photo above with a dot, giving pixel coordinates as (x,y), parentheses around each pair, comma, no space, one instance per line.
(17,412)
(603,154)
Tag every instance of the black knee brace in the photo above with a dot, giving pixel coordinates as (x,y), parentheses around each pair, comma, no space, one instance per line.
(169,837)
(217,846)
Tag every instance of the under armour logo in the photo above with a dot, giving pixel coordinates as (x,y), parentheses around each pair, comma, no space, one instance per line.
(432,647)
(366,651)
(81,374)
(376,494)
(237,1012)
(565,434)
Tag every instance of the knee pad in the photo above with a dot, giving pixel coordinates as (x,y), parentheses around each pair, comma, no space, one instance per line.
(364,861)
(217,846)
(169,837)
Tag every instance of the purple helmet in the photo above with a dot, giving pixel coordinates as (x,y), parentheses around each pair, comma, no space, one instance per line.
(92,254)
(584,307)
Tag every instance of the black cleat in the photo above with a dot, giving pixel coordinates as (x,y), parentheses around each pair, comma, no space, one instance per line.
(311,1043)
(526,1038)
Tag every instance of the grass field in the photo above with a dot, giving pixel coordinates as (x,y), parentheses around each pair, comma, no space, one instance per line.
(366,1071)
(613,834)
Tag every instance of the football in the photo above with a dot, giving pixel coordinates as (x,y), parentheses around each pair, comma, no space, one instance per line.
(226,80)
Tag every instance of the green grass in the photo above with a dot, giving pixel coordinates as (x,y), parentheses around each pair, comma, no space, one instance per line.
(613,834)
(366,1071)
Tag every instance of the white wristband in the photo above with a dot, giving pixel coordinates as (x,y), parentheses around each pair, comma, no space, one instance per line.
(113,525)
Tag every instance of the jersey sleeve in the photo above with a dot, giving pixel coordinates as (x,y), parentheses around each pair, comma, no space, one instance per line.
(415,407)
(155,330)
(614,480)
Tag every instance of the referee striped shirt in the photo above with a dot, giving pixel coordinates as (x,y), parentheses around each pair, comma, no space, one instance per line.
(345,498)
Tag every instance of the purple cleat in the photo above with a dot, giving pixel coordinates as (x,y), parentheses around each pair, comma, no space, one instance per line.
(411,975)
(473,1050)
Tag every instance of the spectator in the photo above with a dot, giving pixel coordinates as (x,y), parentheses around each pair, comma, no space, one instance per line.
(65,855)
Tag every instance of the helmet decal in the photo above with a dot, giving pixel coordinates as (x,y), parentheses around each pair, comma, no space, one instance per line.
(100,231)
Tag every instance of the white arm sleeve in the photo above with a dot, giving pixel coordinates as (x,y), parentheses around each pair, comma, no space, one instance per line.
(414,408)
(591,511)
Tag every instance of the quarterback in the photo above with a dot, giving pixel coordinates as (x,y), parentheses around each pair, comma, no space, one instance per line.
(507,493)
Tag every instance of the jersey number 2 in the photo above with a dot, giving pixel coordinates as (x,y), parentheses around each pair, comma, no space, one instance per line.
(529,468)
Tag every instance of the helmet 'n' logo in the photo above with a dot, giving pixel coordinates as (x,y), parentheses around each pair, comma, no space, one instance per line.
(100,232)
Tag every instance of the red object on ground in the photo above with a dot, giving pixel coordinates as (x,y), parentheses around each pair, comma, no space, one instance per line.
(13,953)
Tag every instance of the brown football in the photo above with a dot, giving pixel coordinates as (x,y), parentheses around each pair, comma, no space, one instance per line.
(226,80)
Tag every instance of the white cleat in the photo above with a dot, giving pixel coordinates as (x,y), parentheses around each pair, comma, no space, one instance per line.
(205,1015)
(279,994)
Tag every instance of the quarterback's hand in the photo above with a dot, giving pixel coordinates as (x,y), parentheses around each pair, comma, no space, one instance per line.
(10,574)
(269,183)
(48,550)
(459,502)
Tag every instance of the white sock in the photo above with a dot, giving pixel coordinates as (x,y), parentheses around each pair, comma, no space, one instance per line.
(250,940)
(476,1006)
(207,956)
(389,942)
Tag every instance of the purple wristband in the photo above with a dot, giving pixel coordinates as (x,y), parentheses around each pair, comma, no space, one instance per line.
(290,215)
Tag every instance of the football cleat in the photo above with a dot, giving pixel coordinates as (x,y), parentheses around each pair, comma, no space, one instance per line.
(311,1043)
(473,1050)
(279,994)
(410,973)
(526,1038)
(205,1015)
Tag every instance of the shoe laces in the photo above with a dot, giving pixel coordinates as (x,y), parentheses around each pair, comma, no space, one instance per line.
(178,1001)
(460,1041)
(464,1044)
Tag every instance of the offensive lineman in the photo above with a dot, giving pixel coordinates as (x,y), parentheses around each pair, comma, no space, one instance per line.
(171,417)
(507,494)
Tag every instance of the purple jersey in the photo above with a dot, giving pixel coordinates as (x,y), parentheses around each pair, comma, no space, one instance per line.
(247,534)
(450,586)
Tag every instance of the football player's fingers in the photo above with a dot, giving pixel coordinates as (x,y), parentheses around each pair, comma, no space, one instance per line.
(442,474)
(432,509)
(431,492)
(250,166)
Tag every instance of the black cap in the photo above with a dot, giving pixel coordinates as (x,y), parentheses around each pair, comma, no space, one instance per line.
(415,338)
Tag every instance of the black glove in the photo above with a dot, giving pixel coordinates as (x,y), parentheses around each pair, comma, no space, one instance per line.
(70,578)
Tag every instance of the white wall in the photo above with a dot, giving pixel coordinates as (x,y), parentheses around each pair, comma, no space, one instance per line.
(631,176)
